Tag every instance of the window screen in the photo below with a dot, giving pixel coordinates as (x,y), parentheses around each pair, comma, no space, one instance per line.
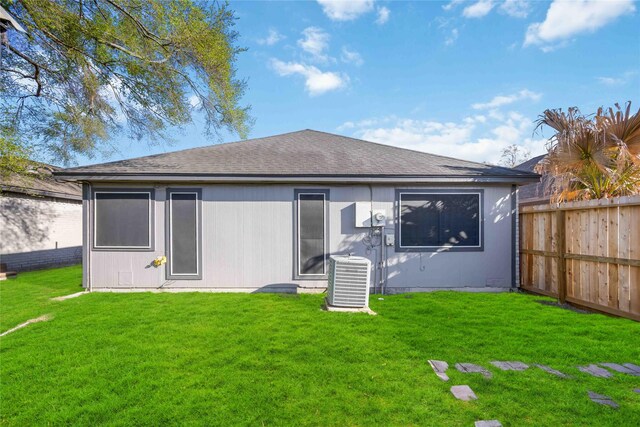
(311,234)
(439,219)
(184,223)
(122,219)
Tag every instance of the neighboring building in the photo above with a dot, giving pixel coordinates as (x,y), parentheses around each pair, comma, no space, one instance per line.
(265,214)
(40,221)
(535,193)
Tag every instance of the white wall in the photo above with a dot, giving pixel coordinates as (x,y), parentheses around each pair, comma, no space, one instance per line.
(39,231)
(248,242)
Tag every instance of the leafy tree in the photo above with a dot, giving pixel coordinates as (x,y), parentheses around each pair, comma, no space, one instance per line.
(513,155)
(592,157)
(88,70)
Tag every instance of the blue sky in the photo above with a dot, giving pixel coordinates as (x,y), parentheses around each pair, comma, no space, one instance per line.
(462,78)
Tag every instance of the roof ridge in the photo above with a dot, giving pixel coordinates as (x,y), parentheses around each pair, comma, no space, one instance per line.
(415,151)
(189,149)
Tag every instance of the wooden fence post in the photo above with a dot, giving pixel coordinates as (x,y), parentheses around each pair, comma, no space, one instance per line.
(561,247)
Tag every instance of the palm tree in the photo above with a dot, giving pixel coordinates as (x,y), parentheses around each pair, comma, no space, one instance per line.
(592,157)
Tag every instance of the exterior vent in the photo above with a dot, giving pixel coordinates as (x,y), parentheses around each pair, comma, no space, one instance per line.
(349,281)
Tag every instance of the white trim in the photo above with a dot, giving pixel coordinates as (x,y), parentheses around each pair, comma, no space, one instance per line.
(480,216)
(324,233)
(171,273)
(95,221)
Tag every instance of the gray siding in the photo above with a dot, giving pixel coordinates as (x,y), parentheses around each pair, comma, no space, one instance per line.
(248,242)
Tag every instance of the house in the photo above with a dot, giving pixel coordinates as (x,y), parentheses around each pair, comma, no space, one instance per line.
(266,213)
(40,221)
(535,193)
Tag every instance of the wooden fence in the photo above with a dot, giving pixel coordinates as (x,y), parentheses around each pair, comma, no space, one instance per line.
(585,253)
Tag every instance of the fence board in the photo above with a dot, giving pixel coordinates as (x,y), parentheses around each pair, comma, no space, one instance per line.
(613,252)
(587,252)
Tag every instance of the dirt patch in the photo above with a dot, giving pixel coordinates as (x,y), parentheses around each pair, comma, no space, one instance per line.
(43,318)
(563,306)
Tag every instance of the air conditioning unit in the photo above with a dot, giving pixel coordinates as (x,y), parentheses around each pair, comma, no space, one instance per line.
(349,281)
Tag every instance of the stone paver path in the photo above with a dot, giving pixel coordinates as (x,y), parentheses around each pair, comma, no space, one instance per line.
(620,368)
(440,367)
(463,392)
(637,390)
(633,367)
(602,399)
(553,371)
(510,366)
(488,423)
(471,368)
(596,371)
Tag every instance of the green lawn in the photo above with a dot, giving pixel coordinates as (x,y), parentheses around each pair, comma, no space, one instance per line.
(236,359)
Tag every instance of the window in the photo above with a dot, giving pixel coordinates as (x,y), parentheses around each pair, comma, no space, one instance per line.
(184,234)
(312,228)
(123,220)
(433,220)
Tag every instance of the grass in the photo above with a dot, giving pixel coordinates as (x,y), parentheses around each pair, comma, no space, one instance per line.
(28,296)
(235,359)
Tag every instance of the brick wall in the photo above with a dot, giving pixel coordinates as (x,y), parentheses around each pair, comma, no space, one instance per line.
(35,260)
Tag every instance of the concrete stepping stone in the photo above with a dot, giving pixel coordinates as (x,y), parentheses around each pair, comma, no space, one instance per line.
(553,371)
(510,366)
(463,392)
(488,423)
(596,371)
(602,399)
(620,368)
(633,367)
(637,390)
(440,367)
(474,369)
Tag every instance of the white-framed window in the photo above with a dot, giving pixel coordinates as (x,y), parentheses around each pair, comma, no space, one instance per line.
(433,220)
(311,233)
(123,219)
(184,234)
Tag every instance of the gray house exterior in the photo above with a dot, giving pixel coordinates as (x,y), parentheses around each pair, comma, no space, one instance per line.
(40,221)
(266,214)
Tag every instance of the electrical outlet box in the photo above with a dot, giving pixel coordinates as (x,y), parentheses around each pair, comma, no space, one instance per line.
(366,218)
(390,239)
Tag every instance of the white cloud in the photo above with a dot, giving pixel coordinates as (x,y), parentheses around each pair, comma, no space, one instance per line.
(383,15)
(452,37)
(351,56)
(345,10)
(315,42)
(317,82)
(566,19)
(516,8)
(478,9)
(453,139)
(501,100)
(611,81)
(272,38)
(617,81)
(194,100)
(452,4)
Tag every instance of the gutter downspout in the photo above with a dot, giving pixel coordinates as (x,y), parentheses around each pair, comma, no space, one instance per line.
(514,238)
(87,235)
(377,277)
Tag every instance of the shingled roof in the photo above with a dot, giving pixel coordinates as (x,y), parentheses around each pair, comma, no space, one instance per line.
(305,153)
(41,183)
(537,192)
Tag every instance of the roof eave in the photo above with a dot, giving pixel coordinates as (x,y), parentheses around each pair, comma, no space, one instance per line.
(355,179)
